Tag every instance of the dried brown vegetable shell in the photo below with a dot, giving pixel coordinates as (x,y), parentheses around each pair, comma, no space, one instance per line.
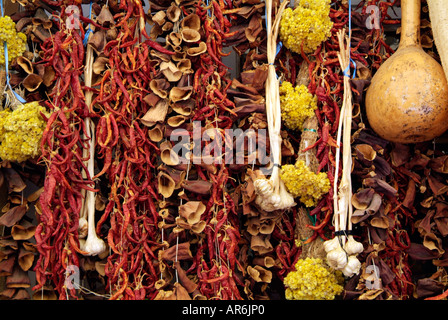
(13,215)
(32,82)
(176,121)
(184,108)
(18,279)
(192,21)
(181,252)
(180,93)
(166,184)
(105,16)
(7,266)
(167,154)
(25,64)
(159,17)
(186,282)
(155,114)
(159,87)
(156,134)
(98,41)
(170,71)
(259,274)
(197,186)
(23,231)
(184,66)
(195,51)
(46,293)
(190,35)
(21,294)
(26,259)
(173,13)
(174,39)
(192,211)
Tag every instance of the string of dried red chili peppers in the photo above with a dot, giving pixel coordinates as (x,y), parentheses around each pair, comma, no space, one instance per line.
(62,147)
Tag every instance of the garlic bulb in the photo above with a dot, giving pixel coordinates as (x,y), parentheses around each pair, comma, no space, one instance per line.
(82,228)
(269,200)
(93,245)
(331,245)
(352,267)
(337,258)
(353,247)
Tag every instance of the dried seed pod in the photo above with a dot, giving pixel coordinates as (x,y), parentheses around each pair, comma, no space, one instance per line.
(195,51)
(170,71)
(32,82)
(192,21)
(179,55)
(184,108)
(26,259)
(152,99)
(13,215)
(167,154)
(167,26)
(176,121)
(173,13)
(159,17)
(165,184)
(23,231)
(174,39)
(190,35)
(180,93)
(25,64)
(156,113)
(159,87)
(156,134)
(261,244)
(46,293)
(184,66)
(259,274)
(197,186)
(18,279)
(181,251)
(192,211)
(105,17)
(98,41)
(266,261)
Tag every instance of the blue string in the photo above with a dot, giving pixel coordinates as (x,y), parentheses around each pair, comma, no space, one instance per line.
(347,70)
(89,30)
(7,64)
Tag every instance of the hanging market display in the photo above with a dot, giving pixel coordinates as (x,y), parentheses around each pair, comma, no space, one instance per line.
(223,150)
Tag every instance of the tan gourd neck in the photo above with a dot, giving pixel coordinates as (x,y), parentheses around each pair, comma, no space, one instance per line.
(410,23)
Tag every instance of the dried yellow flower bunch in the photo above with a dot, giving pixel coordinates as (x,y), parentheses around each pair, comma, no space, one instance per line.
(296,104)
(21,131)
(309,24)
(303,183)
(16,41)
(312,280)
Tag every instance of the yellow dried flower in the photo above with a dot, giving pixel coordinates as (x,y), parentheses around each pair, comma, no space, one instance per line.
(16,41)
(303,183)
(312,280)
(309,23)
(297,104)
(21,131)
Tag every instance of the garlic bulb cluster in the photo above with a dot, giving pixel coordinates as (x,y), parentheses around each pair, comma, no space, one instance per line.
(343,249)
(268,198)
(343,256)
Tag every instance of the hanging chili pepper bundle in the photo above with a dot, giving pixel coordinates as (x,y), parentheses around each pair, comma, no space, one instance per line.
(62,149)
